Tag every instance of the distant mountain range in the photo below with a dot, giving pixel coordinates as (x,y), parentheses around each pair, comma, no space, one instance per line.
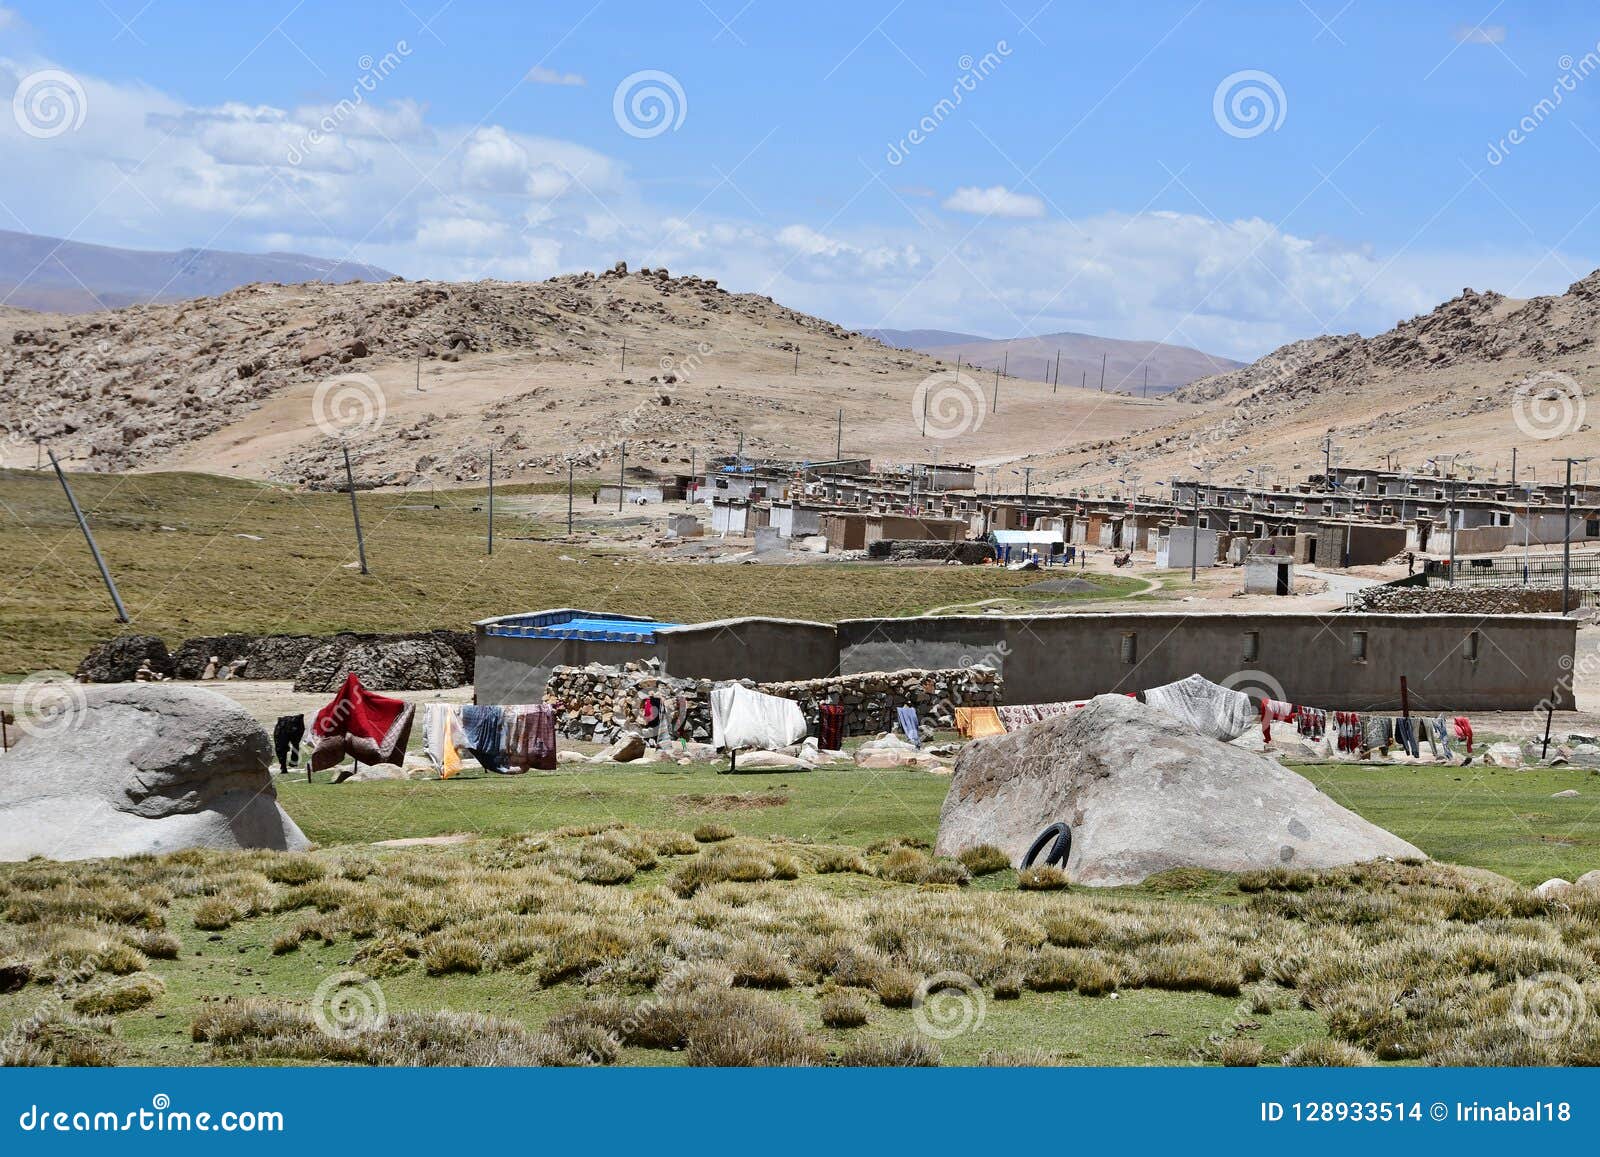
(45,273)
(1129,366)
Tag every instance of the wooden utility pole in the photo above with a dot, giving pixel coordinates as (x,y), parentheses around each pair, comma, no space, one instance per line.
(1102,373)
(1057,380)
(491,500)
(355,511)
(838,438)
(994,406)
(1146,391)
(797,361)
(83,525)
(622,475)
(569,495)
(925,413)
(1513,465)
(624,355)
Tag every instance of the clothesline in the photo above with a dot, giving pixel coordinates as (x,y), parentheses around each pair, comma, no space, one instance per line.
(506,739)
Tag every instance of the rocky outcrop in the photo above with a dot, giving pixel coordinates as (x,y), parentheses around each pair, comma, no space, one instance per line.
(1448,600)
(267,656)
(400,663)
(141,768)
(1143,793)
(118,660)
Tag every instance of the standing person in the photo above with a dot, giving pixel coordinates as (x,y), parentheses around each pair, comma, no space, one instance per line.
(1411,562)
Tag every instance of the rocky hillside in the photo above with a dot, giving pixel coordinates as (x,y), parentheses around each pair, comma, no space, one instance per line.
(132,387)
(1474,378)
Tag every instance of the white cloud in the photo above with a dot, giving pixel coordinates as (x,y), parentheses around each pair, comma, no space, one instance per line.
(1480,34)
(538,74)
(455,202)
(995,201)
(9,19)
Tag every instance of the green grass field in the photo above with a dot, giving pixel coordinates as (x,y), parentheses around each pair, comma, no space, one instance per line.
(583,923)
(199,555)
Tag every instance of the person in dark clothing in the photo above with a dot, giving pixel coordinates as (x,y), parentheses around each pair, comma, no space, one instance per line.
(287,733)
(1411,563)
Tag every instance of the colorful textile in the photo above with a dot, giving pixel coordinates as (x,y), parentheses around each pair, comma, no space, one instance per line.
(1022,714)
(368,727)
(530,737)
(1462,728)
(830,726)
(435,732)
(978,722)
(484,730)
(1377,732)
(450,744)
(910,725)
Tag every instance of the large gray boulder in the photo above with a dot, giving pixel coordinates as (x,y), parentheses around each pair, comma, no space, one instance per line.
(136,768)
(1144,793)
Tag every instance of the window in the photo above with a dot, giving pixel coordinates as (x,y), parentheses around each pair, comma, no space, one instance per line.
(1591,528)
(1252,646)
(1358,646)
(1471,646)
(1130,647)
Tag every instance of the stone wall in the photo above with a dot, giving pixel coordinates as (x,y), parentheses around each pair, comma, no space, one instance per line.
(966,553)
(1447,600)
(423,660)
(596,702)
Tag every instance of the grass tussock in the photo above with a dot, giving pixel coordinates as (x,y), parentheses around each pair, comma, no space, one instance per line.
(1041,878)
(984,860)
(121,994)
(843,1008)
(713,833)
(56,1036)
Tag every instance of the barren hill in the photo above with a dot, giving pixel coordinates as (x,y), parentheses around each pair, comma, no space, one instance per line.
(1475,377)
(422,379)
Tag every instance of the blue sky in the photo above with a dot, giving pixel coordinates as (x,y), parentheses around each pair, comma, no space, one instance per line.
(1093,175)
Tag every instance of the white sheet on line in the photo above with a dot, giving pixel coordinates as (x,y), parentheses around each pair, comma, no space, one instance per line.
(741,717)
(1210,708)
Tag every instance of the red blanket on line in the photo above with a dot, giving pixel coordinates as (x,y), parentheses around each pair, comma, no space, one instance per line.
(370,728)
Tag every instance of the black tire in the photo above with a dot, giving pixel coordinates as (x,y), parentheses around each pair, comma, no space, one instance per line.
(1059,851)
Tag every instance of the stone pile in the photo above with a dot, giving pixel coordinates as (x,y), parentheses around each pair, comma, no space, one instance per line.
(599,702)
(966,553)
(1446,600)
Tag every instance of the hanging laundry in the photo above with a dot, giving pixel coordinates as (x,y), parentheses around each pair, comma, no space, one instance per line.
(368,727)
(484,731)
(1462,729)
(287,734)
(743,717)
(978,722)
(1442,734)
(910,725)
(1377,732)
(1405,734)
(530,737)
(830,726)
(435,731)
